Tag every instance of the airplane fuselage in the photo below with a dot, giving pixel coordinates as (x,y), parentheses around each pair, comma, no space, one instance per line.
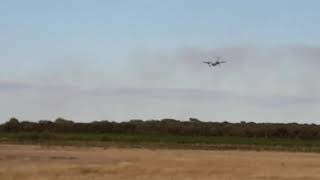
(214,63)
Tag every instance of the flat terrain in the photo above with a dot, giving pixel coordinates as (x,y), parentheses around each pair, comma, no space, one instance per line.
(162,141)
(82,163)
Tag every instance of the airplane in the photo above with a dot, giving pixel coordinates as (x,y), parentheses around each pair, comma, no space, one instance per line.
(214,63)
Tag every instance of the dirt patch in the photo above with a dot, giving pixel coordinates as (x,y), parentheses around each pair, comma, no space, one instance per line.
(57,163)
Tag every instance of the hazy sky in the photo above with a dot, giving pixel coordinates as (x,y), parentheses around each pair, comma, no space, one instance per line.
(120,60)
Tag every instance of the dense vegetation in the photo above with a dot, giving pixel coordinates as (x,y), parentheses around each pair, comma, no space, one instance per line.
(167,133)
(193,127)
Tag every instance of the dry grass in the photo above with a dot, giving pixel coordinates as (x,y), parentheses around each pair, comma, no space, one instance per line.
(73,163)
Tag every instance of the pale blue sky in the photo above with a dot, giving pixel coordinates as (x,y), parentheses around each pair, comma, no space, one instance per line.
(117,60)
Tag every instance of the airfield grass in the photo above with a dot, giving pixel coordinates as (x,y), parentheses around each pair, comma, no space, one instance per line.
(161,141)
(34,162)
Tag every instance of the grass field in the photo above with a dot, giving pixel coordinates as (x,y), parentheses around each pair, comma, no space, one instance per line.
(31,162)
(162,141)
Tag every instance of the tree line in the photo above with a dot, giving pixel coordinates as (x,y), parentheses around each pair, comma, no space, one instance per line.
(193,127)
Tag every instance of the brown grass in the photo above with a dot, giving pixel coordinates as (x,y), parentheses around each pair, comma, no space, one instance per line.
(79,163)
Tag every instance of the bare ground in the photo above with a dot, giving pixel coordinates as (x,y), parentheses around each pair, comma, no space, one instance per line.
(79,163)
